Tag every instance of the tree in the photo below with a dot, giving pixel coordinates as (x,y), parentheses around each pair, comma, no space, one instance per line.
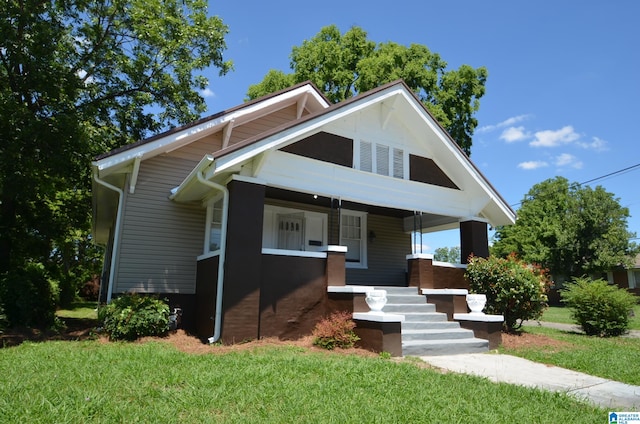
(569,229)
(447,254)
(79,78)
(342,65)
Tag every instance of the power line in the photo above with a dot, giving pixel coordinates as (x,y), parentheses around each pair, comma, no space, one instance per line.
(611,174)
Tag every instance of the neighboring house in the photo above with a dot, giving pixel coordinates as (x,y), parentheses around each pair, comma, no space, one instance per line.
(628,278)
(245,217)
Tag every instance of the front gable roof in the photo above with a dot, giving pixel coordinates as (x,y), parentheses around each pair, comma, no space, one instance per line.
(393,103)
(391,111)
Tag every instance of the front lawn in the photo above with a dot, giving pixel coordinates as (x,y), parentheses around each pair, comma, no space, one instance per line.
(562,315)
(94,381)
(615,358)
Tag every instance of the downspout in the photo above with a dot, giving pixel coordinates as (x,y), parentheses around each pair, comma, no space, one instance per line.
(223,249)
(116,236)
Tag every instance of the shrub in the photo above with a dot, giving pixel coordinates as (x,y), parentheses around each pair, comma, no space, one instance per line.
(29,296)
(599,308)
(514,289)
(335,331)
(131,316)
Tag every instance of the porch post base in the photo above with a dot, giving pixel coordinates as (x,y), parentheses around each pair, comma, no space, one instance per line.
(488,327)
(379,332)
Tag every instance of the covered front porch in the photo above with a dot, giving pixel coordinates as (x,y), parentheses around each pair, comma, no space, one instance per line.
(284,248)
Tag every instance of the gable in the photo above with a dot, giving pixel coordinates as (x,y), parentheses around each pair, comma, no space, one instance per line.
(425,170)
(325,147)
(380,148)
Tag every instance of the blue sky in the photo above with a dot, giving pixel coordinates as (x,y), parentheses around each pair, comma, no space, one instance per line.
(561,97)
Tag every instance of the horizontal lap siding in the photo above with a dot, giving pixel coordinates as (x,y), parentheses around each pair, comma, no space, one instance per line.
(386,255)
(160,238)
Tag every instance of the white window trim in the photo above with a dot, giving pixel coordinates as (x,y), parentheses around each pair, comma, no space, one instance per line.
(631,278)
(363,238)
(357,163)
(207,252)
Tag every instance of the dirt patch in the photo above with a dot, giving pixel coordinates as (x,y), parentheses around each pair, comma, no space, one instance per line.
(188,343)
(75,329)
(528,340)
(85,329)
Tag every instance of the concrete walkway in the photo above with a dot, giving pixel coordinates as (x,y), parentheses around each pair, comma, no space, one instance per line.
(612,395)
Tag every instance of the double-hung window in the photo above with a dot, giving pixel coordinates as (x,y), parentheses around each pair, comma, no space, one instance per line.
(353,235)
(213,237)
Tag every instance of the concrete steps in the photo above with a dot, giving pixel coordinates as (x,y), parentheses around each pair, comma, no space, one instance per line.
(426,332)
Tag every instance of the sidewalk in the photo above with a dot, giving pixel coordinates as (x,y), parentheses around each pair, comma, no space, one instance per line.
(608,394)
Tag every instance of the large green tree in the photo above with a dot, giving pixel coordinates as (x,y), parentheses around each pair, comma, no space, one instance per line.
(78,78)
(570,229)
(342,65)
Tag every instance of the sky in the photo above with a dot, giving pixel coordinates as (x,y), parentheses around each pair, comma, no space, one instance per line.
(561,97)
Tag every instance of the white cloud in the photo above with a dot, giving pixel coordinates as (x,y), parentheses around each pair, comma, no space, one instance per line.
(597,144)
(513,134)
(567,160)
(532,164)
(207,92)
(550,138)
(507,122)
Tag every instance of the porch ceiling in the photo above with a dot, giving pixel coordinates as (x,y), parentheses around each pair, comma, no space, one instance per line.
(424,221)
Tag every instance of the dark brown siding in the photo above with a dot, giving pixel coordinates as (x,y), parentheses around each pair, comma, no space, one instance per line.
(473,240)
(243,262)
(325,147)
(206,289)
(292,295)
(425,170)
(449,278)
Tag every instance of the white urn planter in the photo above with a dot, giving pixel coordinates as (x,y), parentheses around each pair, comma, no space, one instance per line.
(476,303)
(376,299)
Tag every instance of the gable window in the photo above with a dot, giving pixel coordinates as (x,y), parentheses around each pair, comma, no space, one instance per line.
(353,230)
(381,159)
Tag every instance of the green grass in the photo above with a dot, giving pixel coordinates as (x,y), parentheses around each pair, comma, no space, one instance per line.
(562,315)
(80,310)
(90,381)
(614,358)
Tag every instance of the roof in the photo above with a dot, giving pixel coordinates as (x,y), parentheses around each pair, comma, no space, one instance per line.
(395,100)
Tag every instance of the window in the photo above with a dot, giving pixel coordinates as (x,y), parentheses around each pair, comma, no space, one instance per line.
(381,159)
(214,226)
(634,278)
(353,230)
(287,228)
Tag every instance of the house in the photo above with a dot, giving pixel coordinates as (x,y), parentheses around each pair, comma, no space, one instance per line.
(628,278)
(244,218)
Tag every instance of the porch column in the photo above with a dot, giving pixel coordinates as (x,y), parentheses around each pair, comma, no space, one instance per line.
(335,272)
(243,265)
(473,240)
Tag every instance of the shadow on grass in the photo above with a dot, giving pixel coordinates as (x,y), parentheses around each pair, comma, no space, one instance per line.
(74,329)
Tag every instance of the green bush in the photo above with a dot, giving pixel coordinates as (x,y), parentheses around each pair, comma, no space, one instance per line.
(335,331)
(601,309)
(131,316)
(514,289)
(29,297)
